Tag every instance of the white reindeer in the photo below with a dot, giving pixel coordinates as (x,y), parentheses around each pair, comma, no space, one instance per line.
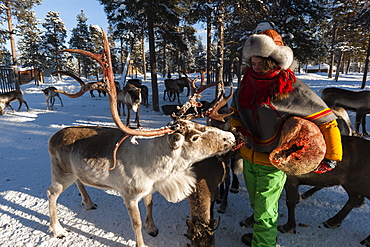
(101,157)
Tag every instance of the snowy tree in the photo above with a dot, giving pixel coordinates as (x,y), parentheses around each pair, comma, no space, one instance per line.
(129,17)
(200,55)
(54,41)
(81,39)
(9,10)
(30,43)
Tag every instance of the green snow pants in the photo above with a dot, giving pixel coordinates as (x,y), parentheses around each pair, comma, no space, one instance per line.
(264,185)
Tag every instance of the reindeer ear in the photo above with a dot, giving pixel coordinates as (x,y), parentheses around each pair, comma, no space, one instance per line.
(212,223)
(176,140)
(189,223)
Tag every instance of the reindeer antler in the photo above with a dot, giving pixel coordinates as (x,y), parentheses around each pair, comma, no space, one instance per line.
(108,85)
(84,86)
(212,111)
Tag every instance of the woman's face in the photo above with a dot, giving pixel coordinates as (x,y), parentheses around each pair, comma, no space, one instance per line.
(257,65)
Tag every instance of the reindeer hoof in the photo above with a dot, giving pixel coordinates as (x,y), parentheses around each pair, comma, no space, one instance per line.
(153,233)
(248,222)
(286,229)
(366,242)
(330,224)
(234,190)
(221,211)
(93,206)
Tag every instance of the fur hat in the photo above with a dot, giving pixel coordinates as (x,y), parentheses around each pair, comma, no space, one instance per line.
(268,44)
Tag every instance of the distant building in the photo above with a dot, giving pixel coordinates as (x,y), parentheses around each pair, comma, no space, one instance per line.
(323,68)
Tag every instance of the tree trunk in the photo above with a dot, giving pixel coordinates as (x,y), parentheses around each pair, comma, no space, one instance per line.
(366,66)
(220,48)
(11,33)
(164,58)
(348,65)
(339,65)
(209,31)
(153,63)
(143,54)
(330,75)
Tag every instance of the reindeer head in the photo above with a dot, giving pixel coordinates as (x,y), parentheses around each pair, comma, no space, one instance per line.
(108,85)
(201,234)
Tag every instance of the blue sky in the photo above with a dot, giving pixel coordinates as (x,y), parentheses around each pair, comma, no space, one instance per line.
(69,9)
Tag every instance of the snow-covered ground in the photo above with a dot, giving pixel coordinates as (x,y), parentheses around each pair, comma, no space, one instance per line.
(25,176)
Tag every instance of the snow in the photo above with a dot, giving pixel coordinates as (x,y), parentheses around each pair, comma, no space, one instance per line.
(25,176)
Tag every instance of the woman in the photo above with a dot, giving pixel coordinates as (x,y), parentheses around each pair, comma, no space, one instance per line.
(268,94)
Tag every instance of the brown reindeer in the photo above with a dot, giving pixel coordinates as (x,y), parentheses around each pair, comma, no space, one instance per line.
(7,98)
(49,95)
(104,158)
(358,102)
(131,97)
(352,173)
(213,175)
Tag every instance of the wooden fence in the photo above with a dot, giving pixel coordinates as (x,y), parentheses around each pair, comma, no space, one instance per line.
(8,81)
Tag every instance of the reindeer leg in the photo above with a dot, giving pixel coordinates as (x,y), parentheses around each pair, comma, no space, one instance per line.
(86,200)
(149,225)
(178,97)
(310,192)
(358,121)
(363,121)
(59,184)
(52,99)
(128,116)
(60,99)
(133,211)
(123,109)
(353,200)
(235,182)
(292,198)
(137,119)
(26,105)
(225,193)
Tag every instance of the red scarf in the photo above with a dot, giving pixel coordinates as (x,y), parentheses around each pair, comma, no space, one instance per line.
(258,89)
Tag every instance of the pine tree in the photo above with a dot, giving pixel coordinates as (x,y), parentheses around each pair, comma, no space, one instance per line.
(96,38)
(129,16)
(30,42)
(54,41)
(80,39)
(17,9)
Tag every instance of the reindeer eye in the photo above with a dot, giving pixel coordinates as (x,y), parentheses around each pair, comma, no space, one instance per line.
(195,138)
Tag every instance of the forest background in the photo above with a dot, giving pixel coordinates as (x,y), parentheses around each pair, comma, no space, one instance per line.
(335,32)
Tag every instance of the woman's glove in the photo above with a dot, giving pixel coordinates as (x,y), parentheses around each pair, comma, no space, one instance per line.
(325,165)
(239,134)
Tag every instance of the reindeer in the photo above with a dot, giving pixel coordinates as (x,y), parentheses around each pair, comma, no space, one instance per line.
(131,97)
(136,82)
(172,90)
(103,157)
(6,98)
(358,102)
(352,173)
(173,87)
(50,94)
(201,225)
(145,95)
(144,90)
(213,181)
(100,93)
